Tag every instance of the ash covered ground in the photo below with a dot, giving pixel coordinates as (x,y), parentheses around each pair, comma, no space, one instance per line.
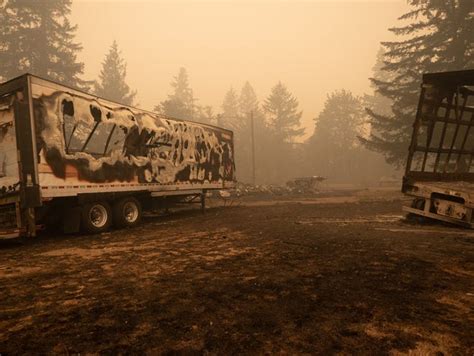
(340,272)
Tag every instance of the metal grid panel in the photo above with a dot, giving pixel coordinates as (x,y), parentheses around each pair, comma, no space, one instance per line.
(442,146)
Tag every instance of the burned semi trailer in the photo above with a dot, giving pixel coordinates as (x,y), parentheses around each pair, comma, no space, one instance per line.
(71,158)
(440,169)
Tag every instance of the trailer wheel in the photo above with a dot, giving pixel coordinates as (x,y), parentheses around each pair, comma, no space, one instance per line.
(96,217)
(127,212)
(418,203)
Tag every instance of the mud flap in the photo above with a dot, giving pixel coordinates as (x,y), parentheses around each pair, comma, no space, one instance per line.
(72,220)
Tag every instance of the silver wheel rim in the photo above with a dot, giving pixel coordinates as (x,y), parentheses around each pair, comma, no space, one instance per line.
(130,212)
(98,216)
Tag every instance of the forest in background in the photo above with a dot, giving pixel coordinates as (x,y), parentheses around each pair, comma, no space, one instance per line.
(355,140)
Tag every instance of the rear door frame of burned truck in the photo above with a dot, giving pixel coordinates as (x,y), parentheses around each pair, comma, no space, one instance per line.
(440,169)
(71,158)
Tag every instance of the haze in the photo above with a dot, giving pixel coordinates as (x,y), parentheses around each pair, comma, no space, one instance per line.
(314,47)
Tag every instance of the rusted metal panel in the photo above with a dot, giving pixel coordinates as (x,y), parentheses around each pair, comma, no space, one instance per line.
(436,216)
(30,196)
(440,167)
(458,77)
(442,144)
(18,168)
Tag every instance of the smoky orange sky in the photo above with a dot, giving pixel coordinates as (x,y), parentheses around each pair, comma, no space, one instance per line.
(314,47)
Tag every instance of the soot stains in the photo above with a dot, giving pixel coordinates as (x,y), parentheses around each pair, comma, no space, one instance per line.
(96,113)
(129,146)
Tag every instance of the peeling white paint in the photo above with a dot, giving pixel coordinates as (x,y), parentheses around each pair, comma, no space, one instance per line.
(172,147)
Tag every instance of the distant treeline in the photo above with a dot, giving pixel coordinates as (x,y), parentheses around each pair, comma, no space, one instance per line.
(353,136)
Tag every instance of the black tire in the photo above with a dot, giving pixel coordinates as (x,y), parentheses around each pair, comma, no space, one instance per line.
(96,217)
(127,212)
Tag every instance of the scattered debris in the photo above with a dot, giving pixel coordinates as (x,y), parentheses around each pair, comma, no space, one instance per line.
(303,185)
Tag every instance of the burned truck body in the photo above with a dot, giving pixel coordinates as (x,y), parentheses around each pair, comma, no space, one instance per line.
(69,156)
(440,169)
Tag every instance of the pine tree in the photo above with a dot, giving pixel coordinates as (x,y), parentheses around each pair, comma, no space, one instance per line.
(281,108)
(205,115)
(248,101)
(112,83)
(439,36)
(334,150)
(230,110)
(37,37)
(180,104)
(236,111)
(283,120)
(376,102)
(248,104)
(263,144)
(340,121)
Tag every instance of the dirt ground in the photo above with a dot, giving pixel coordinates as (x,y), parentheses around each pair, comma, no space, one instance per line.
(340,273)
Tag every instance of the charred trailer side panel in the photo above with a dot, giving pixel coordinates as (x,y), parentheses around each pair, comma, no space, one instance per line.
(19,188)
(81,157)
(440,169)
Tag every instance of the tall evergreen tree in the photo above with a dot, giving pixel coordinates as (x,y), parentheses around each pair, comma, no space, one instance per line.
(438,36)
(112,83)
(248,100)
(230,110)
(283,123)
(282,112)
(249,105)
(340,121)
(236,111)
(205,114)
(37,37)
(180,103)
(334,150)
(376,102)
